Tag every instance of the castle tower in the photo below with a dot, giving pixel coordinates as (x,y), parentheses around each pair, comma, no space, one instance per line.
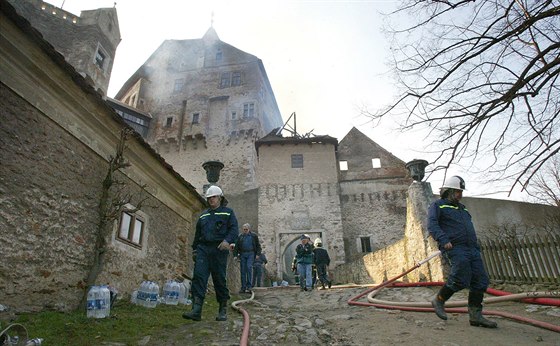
(298,194)
(88,42)
(208,101)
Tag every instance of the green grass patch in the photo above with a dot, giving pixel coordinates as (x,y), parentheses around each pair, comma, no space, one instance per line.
(127,324)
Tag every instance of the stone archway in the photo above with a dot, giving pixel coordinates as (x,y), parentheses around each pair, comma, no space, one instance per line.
(288,243)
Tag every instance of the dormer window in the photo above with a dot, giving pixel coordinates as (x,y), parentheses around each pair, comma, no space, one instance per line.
(100,58)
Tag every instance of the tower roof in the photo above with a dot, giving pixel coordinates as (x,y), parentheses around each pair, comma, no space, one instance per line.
(211,35)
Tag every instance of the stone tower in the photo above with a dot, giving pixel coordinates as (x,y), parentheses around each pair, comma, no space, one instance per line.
(298,194)
(88,42)
(373,188)
(208,101)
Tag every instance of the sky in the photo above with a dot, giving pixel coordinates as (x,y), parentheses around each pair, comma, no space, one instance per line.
(325,59)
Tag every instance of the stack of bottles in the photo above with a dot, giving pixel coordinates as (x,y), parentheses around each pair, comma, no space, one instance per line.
(147,295)
(98,302)
(172,292)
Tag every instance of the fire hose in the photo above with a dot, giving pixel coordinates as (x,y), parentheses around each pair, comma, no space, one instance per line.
(535,298)
(543,298)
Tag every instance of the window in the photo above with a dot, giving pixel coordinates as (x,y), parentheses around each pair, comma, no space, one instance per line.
(100,58)
(233,115)
(219,57)
(376,163)
(366,244)
(195,118)
(178,85)
(236,79)
(168,121)
(343,165)
(297,160)
(225,80)
(131,228)
(248,110)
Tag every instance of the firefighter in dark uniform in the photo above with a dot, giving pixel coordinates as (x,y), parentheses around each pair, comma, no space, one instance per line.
(450,224)
(216,229)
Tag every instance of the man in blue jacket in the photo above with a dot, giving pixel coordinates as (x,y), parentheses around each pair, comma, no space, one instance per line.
(216,229)
(247,248)
(450,224)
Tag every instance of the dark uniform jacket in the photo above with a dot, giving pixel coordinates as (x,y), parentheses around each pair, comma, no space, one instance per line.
(216,225)
(449,222)
(321,256)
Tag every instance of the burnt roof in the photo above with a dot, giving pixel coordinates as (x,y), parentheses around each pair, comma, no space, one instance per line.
(276,138)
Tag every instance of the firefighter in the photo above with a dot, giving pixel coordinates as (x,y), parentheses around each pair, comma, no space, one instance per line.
(322,261)
(216,229)
(450,224)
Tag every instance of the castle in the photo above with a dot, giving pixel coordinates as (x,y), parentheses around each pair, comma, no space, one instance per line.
(192,101)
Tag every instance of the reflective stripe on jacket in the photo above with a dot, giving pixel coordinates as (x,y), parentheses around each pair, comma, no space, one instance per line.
(451,223)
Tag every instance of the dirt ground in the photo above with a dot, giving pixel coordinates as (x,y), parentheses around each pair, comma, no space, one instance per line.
(287,316)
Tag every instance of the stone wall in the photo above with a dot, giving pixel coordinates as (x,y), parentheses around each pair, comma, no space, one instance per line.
(56,137)
(395,259)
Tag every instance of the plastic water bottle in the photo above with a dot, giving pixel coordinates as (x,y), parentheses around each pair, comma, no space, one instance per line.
(92,295)
(182,291)
(167,292)
(153,293)
(142,293)
(176,289)
(34,342)
(105,302)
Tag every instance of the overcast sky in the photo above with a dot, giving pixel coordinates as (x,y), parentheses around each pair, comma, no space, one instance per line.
(325,60)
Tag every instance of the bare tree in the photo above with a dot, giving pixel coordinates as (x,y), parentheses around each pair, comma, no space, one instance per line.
(546,184)
(482,76)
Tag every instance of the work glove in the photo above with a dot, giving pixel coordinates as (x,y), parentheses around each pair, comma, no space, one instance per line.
(194,255)
(224,245)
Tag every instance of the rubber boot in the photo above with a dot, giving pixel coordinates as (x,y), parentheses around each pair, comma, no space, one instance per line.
(330,284)
(475,311)
(222,312)
(439,300)
(196,313)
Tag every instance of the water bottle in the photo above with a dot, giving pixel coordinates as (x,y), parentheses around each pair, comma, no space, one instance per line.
(34,342)
(142,293)
(167,292)
(176,292)
(105,309)
(91,301)
(153,292)
(182,292)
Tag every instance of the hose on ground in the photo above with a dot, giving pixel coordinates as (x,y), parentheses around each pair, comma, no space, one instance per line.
(426,307)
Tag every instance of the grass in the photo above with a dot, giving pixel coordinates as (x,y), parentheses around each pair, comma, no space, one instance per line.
(127,324)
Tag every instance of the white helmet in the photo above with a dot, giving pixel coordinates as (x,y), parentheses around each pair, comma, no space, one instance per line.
(318,242)
(214,191)
(455,182)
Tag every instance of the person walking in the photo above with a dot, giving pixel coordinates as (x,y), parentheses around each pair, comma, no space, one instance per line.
(304,259)
(258,269)
(322,261)
(450,224)
(247,248)
(216,229)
